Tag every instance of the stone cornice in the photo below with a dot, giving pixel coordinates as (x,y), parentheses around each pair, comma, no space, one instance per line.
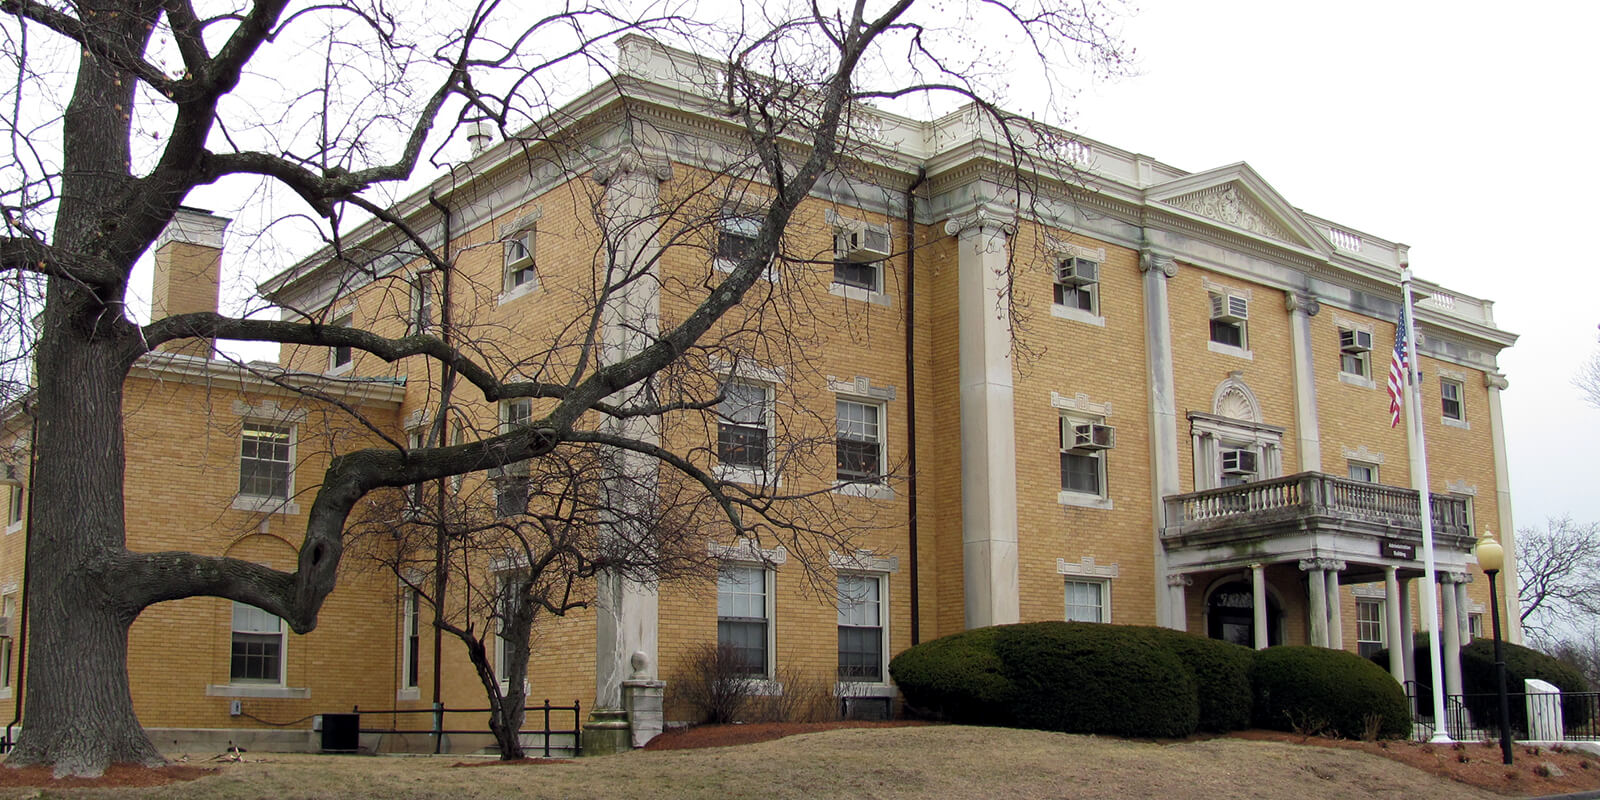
(204,372)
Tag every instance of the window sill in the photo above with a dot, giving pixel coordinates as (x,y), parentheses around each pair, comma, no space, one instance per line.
(1076,315)
(1456,423)
(864,689)
(858,293)
(341,369)
(871,491)
(512,294)
(413,693)
(1083,500)
(763,687)
(1230,350)
(1357,380)
(267,691)
(747,475)
(770,274)
(5,694)
(269,505)
(14,527)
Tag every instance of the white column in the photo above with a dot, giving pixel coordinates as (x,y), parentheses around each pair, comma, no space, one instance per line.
(1177,589)
(1163,414)
(1450,630)
(1408,640)
(627,611)
(1318,585)
(1464,609)
(988,424)
(1302,308)
(1502,501)
(1258,604)
(1335,621)
(1393,624)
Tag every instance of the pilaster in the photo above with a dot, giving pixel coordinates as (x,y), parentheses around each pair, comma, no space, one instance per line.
(1302,307)
(1158,269)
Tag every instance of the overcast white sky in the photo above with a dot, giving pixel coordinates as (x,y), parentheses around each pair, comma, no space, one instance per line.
(1464,129)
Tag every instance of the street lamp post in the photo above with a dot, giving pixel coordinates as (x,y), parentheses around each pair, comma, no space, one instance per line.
(1491,557)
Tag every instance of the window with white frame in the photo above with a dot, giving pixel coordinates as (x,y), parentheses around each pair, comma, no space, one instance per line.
(511,480)
(1230,313)
(420,317)
(1355,352)
(744,617)
(736,240)
(1084,442)
(744,417)
(1086,600)
(861,639)
(504,647)
(1363,471)
(1369,627)
(1077,284)
(266,468)
(8,612)
(857,258)
(1475,624)
(257,654)
(415,494)
(410,641)
(341,356)
(859,444)
(1450,399)
(520,274)
(15,511)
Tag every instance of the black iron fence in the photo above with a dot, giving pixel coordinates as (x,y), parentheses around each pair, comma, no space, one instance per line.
(432,721)
(1475,717)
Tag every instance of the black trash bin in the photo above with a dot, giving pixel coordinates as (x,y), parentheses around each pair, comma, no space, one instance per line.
(341,733)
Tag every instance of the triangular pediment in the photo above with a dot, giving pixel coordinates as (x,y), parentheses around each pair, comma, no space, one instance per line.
(1237,197)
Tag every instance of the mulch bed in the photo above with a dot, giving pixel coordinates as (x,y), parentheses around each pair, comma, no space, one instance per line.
(752,732)
(115,776)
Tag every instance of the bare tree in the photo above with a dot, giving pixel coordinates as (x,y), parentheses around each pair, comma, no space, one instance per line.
(1558,573)
(167,101)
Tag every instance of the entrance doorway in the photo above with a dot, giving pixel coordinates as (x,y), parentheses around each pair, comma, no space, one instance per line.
(1230,614)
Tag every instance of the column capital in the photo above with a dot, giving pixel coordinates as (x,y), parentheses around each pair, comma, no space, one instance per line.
(1495,380)
(1164,264)
(1308,564)
(1301,302)
(1180,580)
(627,161)
(986,216)
(1455,577)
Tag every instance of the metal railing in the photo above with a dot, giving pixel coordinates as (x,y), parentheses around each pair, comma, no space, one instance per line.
(1476,716)
(438,730)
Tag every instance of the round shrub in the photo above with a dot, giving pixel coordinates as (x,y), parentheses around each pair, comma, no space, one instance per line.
(1222,676)
(956,678)
(1316,690)
(1082,677)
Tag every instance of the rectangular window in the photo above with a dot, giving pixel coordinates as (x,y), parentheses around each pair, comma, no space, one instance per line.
(340,356)
(14,513)
(742,427)
(1363,471)
(1077,284)
(1355,352)
(257,646)
(859,443)
(1475,625)
(742,617)
(1229,314)
(519,262)
(1086,601)
(410,641)
(861,628)
(1083,446)
(1369,627)
(736,239)
(504,647)
(1450,397)
(421,318)
(511,480)
(265,469)
(414,492)
(8,612)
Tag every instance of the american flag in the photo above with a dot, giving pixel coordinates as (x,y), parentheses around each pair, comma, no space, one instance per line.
(1398,370)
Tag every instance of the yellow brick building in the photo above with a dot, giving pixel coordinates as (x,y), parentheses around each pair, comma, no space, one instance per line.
(1116,391)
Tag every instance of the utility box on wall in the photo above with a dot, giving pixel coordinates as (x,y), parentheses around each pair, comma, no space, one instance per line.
(341,733)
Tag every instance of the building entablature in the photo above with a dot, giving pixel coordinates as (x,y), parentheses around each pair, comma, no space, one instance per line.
(387,393)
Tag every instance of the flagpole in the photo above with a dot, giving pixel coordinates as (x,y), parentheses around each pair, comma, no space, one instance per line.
(1419,481)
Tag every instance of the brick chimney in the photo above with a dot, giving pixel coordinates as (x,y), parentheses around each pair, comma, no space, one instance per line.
(188,271)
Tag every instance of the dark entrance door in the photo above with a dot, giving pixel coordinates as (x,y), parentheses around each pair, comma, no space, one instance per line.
(1231,615)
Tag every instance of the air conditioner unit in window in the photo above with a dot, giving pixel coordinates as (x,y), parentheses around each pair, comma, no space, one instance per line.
(512,471)
(867,243)
(1094,437)
(1355,341)
(1077,272)
(1229,308)
(1238,462)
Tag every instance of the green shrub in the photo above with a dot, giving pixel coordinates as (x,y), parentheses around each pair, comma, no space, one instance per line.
(1478,683)
(1083,677)
(956,678)
(1222,677)
(1316,690)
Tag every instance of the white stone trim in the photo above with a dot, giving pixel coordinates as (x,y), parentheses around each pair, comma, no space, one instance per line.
(1455,375)
(877,298)
(1212,287)
(412,693)
(747,369)
(1086,568)
(1352,323)
(863,561)
(1358,381)
(1084,499)
(1461,487)
(1077,315)
(1367,591)
(1362,454)
(1230,350)
(268,410)
(870,491)
(521,224)
(1058,248)
(191,226)
(748,551)
(861,386)
(268,505)
(1080,402)
(265,690)
(1455,423)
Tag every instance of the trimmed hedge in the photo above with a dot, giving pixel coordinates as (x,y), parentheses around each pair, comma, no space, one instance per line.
(957,677)
(1522,663)
(1222,676)
(1326,691)
(1080,677)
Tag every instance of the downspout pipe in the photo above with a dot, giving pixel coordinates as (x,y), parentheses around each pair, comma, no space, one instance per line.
(441,540)
(911,400)
(22,610)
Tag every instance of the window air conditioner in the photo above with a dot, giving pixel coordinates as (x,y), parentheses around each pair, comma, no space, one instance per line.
(1077,272)
(1355,341)
(1229,308)
(1238,462)
(10,475)
(1094,437)
(867,243)
(516,469)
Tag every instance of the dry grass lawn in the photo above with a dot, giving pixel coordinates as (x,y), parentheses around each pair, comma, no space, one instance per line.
(940,761)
